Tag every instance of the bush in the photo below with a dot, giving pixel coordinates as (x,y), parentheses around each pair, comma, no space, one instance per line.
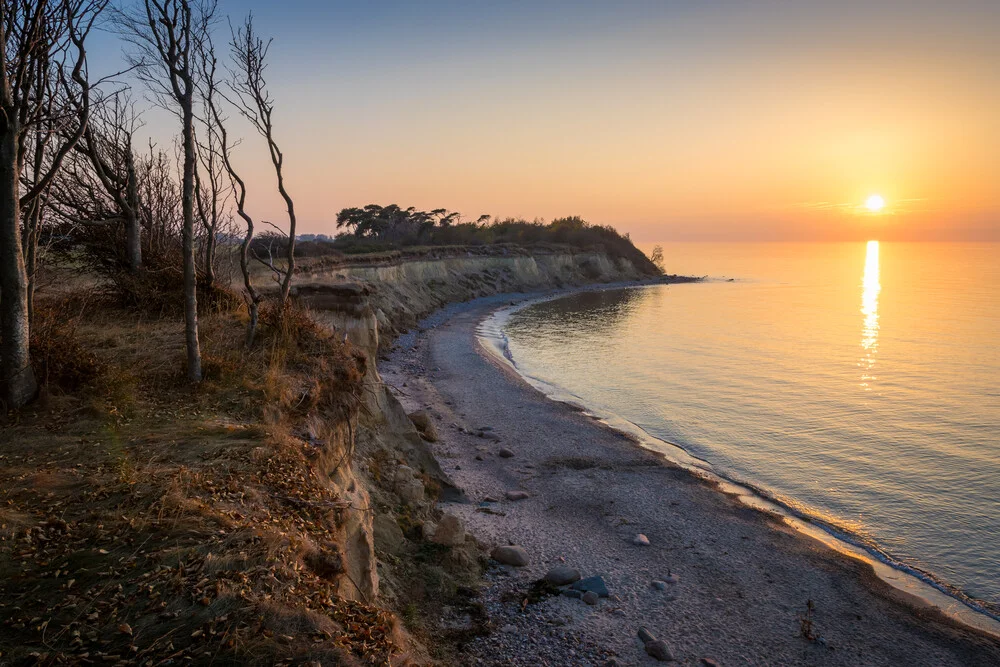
(387,228)
(60,360)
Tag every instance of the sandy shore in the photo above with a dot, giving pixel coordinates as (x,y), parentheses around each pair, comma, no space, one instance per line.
(743,580)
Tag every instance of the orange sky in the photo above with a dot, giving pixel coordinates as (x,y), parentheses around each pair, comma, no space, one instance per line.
(669,120)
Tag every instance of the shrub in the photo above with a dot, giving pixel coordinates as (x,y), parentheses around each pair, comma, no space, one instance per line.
(60,360)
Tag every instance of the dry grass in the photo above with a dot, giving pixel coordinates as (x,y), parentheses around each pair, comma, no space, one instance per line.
(146,521)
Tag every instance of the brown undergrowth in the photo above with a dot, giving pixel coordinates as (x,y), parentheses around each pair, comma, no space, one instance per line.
(143,521)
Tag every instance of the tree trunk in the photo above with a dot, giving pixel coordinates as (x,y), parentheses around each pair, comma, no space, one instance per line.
(210,258)
(17,378)
(133,231)
(29,247)
(190,278)
(252,324)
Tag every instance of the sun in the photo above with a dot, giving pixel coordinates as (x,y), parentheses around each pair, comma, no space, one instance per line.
(875,203)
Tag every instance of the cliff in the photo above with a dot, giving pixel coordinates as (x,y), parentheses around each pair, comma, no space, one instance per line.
(369,305)
(285,509)
(400,293)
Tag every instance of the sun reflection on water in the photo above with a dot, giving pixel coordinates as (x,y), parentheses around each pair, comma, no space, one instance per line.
(871,287)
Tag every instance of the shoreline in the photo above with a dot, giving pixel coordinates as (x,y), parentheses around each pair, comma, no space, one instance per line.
(923,586)
(595,484)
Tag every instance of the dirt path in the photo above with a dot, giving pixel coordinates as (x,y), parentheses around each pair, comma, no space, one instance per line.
(743,584)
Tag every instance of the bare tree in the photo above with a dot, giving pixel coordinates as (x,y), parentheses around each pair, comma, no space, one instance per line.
(165,34)
(107,144)
(249,53)
(216,126)
(42,55)
(211,191)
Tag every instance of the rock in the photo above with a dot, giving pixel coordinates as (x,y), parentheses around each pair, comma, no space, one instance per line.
(708,662)
(570,593)
(403,474)
(590,597)
(517,495)
(506,453)
(640,540)
(672,579)
(425,427)
(509,629)
(479,457)
(449,532)
(595,584)
(411,492)
(660,585)
(510,555)
(388,534)
(490,499)
(562,575)
(427,529)
(659,650)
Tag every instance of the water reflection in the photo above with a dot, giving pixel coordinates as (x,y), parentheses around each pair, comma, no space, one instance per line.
(588,316)
(871,287)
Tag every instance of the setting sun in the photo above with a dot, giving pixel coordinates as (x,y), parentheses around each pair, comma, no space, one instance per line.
(875,203)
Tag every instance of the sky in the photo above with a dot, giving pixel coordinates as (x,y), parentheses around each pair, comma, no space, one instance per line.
(672,121)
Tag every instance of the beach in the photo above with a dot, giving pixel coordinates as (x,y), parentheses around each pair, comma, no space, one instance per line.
(739,586)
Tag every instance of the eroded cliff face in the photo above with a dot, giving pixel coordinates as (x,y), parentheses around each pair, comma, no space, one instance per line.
(400,294)
(392,478)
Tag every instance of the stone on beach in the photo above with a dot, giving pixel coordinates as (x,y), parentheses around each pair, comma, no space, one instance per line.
(562,575)
(510,555)
(657,648)
(506,453)
(645,636)
(590,597)
(660,585)
(518,495)
(640,540)
(595,584)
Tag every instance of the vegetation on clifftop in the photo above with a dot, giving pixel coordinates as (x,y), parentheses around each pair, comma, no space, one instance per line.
(380,229)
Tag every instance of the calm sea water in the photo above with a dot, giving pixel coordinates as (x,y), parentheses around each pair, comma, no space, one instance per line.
(857,383)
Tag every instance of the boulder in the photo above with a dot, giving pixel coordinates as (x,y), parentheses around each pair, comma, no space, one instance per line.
(425,427)
(640,540)
(506,453)
(450,531)
(411,492)
(517,495)
(590,597)
(510,555)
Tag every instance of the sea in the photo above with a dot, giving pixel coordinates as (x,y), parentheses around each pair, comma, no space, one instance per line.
(855,385)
